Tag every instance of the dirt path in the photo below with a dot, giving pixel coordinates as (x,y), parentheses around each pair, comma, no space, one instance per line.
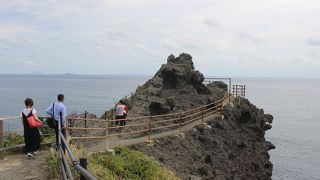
(19,167)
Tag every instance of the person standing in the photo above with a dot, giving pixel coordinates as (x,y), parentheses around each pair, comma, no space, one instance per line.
(31,135)
(59,112)
(121,113)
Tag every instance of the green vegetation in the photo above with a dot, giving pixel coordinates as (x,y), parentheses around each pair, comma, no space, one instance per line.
(53,163)
(126,164)
(13,139)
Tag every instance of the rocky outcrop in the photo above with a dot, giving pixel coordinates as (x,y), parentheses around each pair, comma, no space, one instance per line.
(229,148)
(232,148)
(177,86)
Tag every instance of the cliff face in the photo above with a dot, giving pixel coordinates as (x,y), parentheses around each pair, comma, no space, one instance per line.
(229,148)
(232,148)
(177,86)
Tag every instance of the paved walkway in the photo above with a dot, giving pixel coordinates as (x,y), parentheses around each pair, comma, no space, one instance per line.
(20,167)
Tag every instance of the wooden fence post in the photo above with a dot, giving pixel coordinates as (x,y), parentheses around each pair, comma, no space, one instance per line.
(1,140)
(107,126)
(70,125)
(85,121)
(149,131)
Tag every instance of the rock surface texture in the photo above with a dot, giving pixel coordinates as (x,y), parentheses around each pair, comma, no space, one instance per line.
(229,148)
(177,86)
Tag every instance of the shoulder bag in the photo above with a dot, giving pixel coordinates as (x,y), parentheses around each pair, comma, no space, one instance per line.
(33,123)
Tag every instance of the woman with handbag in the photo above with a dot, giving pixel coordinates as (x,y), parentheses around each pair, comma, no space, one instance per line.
(31,123)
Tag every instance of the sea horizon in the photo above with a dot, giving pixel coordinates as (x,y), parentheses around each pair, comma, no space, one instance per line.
(289,100)
(150,75)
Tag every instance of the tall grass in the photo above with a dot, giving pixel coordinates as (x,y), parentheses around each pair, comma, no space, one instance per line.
(126,164)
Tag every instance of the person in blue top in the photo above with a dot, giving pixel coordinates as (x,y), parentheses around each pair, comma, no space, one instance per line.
(59,112)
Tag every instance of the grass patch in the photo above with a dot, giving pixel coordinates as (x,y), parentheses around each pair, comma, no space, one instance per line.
(127,164)
(13,139)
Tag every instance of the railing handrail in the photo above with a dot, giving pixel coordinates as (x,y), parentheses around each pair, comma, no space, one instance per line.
(63,161)
(202,110)
(145,117)
(9,118)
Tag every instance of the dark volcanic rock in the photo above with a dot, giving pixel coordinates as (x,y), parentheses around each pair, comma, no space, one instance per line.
(229,148)
(232,148)
(177,86)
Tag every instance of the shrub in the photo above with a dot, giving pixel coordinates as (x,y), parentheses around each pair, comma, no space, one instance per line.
(130,164)
(13,139)
(127,164)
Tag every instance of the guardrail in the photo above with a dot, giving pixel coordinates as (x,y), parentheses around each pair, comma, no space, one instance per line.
(149,124)
(64,166)
(65,169)
(4,133)
(239,90)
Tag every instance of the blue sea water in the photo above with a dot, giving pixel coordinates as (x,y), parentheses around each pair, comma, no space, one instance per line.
(294,103)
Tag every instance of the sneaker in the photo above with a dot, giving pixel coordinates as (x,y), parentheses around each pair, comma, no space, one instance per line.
(31,155)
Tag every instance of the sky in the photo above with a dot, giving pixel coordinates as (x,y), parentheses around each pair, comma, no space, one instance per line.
(269,38)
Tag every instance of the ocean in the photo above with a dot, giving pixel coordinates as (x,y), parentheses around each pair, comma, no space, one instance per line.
(294,103)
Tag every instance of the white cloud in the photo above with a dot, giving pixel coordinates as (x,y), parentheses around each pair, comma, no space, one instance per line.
(255,34)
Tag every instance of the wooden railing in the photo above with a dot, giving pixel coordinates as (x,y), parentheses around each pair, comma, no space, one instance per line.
(19,130)
(146,125)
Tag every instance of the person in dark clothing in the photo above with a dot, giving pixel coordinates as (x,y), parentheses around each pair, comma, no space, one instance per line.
(31,135)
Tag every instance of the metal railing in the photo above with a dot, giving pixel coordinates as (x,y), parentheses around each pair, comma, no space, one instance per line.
(239,90)
(64,166)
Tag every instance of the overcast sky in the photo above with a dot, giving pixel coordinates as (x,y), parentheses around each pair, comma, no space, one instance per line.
(224,37)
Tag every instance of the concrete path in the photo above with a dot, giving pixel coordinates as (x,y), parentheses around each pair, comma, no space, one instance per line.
(20,167)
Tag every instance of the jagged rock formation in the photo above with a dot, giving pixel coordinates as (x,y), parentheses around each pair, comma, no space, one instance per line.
(177,86)
(232,148)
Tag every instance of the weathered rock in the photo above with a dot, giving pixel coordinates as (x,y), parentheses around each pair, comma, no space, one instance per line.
(177,86)
(268,118)
(233,148)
